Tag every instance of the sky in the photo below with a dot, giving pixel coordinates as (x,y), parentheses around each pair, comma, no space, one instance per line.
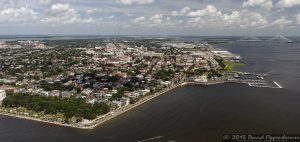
(150,17)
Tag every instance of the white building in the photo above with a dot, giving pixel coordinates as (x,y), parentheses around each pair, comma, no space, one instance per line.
(152,54)
(54,93)
(2,95)
(201,79)
(125,101)
(90,99)
(44,93)
(116,103)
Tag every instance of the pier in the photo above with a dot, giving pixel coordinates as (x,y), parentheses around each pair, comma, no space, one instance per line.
(279,86)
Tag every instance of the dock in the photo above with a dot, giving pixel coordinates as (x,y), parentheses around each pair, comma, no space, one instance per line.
(279,86)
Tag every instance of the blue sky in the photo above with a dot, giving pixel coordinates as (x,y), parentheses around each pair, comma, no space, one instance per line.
(150,17)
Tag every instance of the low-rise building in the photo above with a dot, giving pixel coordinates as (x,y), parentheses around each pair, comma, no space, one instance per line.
(65,94)
(44,93)
(54,93)
(201,79)
(125,101)
(90,99)
(116,104)
(87,91)
(2,95)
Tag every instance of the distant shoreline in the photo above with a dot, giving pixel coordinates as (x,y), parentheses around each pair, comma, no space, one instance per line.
(99,121)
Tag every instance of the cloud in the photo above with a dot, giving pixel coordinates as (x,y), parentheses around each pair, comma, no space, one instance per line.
(92,11)
(282,22)
(60,7)
(157,20)
(129,2)
(44,2)
(62,14)
(288,3)
(183,11)
(209,10)
(139,19)
(231,19)
(18,16)
(267,4)
(298,18)
(108,9)
(152,21)
(109,15)
(211,17)
(7,3)
(253,20)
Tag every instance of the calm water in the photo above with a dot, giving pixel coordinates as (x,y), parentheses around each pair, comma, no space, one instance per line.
(281,63)
(195,113)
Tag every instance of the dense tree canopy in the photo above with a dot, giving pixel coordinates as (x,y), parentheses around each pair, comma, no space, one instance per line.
(164,74)
(55,86)
(52,105)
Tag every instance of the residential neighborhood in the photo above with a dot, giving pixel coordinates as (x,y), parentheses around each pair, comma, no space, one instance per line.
(112,73)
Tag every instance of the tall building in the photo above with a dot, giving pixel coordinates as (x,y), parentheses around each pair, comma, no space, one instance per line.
(2,95)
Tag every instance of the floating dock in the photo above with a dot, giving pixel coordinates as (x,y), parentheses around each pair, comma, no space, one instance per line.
(279,86)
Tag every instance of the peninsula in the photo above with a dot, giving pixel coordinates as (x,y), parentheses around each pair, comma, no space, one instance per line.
(84,83)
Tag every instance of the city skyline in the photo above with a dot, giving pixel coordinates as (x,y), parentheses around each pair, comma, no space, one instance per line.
(150,17)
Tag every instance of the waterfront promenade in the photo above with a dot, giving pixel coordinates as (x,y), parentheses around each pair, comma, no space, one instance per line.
(102,119)
(114,113)
(98,121)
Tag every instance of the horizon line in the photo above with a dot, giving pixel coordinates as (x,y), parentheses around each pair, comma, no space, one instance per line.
(145,35)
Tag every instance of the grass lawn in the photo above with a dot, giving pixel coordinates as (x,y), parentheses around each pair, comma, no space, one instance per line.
(230,65)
